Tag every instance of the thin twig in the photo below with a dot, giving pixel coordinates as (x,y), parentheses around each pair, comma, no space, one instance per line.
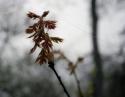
(78,85)
(51,65)
(62,56)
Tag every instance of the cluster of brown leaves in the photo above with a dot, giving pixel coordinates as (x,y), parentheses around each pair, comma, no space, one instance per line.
(41,38)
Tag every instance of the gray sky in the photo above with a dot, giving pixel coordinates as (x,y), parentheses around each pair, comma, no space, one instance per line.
(74,25)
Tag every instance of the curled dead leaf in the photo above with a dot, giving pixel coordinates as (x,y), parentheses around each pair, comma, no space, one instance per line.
(56,39)
(33,15)
(45,13)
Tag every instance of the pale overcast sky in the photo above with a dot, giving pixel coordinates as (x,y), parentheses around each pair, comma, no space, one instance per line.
(74,25)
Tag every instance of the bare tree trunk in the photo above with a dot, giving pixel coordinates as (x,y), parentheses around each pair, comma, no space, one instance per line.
(98,80)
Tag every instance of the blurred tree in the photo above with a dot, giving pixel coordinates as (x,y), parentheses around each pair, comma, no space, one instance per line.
(11,20)
(22,81)
(116,86)
(98,80)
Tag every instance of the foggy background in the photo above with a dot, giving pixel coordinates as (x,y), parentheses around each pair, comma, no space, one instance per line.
(21,77)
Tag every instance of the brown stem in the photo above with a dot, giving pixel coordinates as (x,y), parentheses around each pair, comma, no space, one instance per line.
(78,85)
(51,65)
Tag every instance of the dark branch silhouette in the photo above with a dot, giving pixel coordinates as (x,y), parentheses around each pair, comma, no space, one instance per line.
(98,80)
(51,65)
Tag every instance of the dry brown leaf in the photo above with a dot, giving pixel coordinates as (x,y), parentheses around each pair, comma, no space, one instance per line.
(45,13)
(56,39)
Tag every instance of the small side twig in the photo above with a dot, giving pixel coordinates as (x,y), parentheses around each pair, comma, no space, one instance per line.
(51,65)
(78,85)
(72,69)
